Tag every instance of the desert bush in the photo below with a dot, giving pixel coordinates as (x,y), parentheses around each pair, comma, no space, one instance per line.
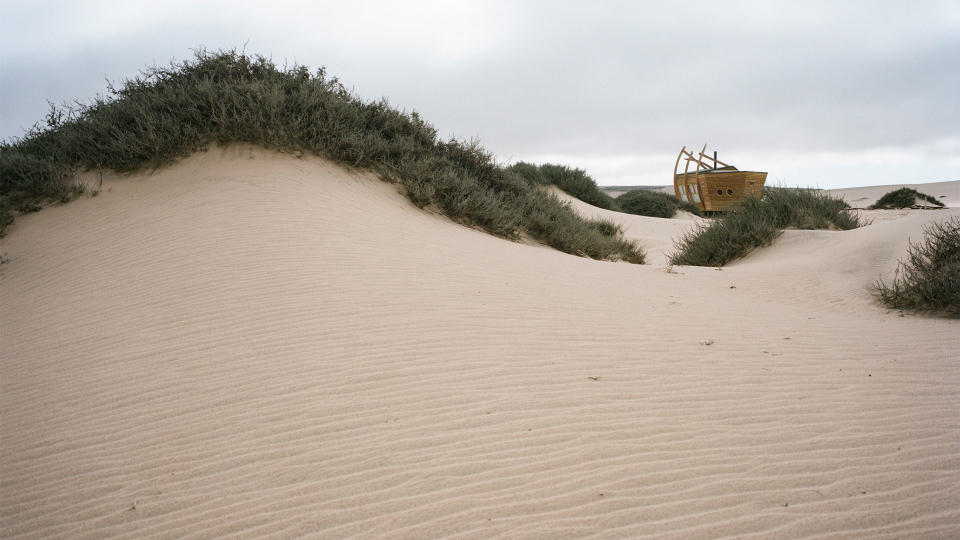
(903,198)
(757,221)
(607,227)
(929,278)
(809,209)
(6,213)
(747,226)
(688,206)
(226,97)
(575,182)
(645,202)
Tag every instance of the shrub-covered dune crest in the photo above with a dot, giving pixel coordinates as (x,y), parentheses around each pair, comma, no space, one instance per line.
(228,97)
(905,198)
(575,182)
(758,221)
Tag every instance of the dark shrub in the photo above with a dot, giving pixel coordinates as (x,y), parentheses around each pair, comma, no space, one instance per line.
(808,209)
(756,222)
(930,277)
(644,202)
(575,182)
(903,198)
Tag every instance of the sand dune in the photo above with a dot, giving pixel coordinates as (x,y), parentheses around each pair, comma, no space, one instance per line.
(247,344)
(655,235)
(861,197)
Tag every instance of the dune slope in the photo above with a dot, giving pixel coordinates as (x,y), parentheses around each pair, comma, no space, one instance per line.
(248,344)
(654,235)
(861,197)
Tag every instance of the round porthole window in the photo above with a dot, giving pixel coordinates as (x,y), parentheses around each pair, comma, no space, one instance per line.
(729,192)
(719,192)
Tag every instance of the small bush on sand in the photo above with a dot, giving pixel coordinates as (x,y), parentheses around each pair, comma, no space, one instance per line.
(575,182)
(688,206)
(809,209)
(644,202)
(757,221)
(736,233)
(607,227)
(225,97)
(929,279)
(903,198)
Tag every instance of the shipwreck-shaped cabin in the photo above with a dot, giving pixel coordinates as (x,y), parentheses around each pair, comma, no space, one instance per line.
(712,184)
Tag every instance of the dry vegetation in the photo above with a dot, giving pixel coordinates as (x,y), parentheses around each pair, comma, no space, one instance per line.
(757,221)
(929,278)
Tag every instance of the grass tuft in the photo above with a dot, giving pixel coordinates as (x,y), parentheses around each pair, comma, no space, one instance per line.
(607,227)
(643,202)
(575,182)
(757,221)
(903,198)
(226,97)
(929,279)
(808,209)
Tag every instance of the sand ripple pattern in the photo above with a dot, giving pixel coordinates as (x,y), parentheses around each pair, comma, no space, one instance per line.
(251,345)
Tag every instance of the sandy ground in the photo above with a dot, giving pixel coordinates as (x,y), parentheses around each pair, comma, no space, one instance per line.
(655,235)
(247,344)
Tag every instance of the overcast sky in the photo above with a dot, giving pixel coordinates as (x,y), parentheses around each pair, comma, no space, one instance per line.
(822,94)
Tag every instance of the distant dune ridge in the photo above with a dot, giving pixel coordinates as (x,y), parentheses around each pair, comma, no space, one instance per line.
(857,197)
(946,192)
(248,344)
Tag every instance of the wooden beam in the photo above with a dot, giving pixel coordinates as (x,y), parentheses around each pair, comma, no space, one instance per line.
(676,189)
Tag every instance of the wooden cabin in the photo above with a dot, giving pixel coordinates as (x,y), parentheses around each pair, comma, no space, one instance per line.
(712,184)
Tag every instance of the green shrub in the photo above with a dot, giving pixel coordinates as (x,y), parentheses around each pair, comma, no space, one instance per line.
(808,209)
(647,203)
(688,206)
(226,97)
(903,198)
(575,182)
(6,212)
(757,221)
(28,182)
(644,202)
(607,227)
(930,277)
(529,172)
(748,225)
